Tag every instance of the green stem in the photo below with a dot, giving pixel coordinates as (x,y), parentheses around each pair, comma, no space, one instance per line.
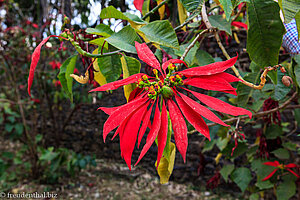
(87,54)
(155,9)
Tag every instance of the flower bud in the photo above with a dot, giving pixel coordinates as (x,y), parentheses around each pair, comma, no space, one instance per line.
(167,92)
(287,81)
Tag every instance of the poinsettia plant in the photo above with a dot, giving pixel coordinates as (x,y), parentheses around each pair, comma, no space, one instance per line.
(178,86)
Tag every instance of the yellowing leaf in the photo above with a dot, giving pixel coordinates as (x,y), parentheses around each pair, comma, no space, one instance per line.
(217,158)
(98,76)
(127,88)
(165,167)
(161,10)
(182,13)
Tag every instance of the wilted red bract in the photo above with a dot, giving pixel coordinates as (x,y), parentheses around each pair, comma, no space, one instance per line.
(160,94)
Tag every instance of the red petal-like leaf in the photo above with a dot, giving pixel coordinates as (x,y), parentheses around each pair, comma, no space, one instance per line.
(146,55)
(227,77)
(138,4)
(274,164)
(121,114)
(219,105)
(163,133)
(152,134)
(210,69)
(239,25)
(166,64)
(35,59)
(270,175)
(205,112)
(291,165)
(193,117)
(146,121)
(116,84)
(129,135)
(297,175)
(210,83)
(179,128)
(107,110)
(136,92)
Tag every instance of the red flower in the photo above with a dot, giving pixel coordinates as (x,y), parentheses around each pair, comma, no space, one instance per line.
(280,166)
(55,65)
(161,94)
(239,25)
(57,83)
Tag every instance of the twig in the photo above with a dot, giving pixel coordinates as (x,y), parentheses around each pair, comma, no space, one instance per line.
(205,18)
(183,24)
(259,114)
(193,44)
(155,9)
(239,12)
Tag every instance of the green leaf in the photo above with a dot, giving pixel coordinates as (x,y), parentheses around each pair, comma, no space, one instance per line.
(160,32)
(203,58)
(296,64)
(130,66)
(297,116)
(226,171)
(290,9)
(281,90)
(254,196)
(297,18)
(242,177)
(273,131)
(265,33)
(209,145)
(190,57)
(261,170)
(281,153)
(110,66)
(124,39)
(192,5)
(262,185)
(287,188)
(101,29)
(112,12)
(222,143)
(241,148)
(290,146)
(66,81)
(245,92)
(227,7)
(219,22)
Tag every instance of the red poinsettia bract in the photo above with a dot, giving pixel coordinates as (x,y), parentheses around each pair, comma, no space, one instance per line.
(162,95)
(280,166)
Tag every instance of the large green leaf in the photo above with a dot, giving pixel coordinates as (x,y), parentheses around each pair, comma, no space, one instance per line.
(290,9)
(297,18)
(66,81)
(110,66)
(296,65)
(203,58)
(101,29)
(228,7)
(226,171)
(219,22)
(265,33)
(281,153)
(112,12)
(242,177)
(124,39)
(160,32)
(287,188)
(191,5)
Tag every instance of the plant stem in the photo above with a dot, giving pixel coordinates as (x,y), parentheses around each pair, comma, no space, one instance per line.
(155,9)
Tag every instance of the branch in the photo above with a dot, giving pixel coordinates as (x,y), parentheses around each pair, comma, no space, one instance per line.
(155,9)
(193,44)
